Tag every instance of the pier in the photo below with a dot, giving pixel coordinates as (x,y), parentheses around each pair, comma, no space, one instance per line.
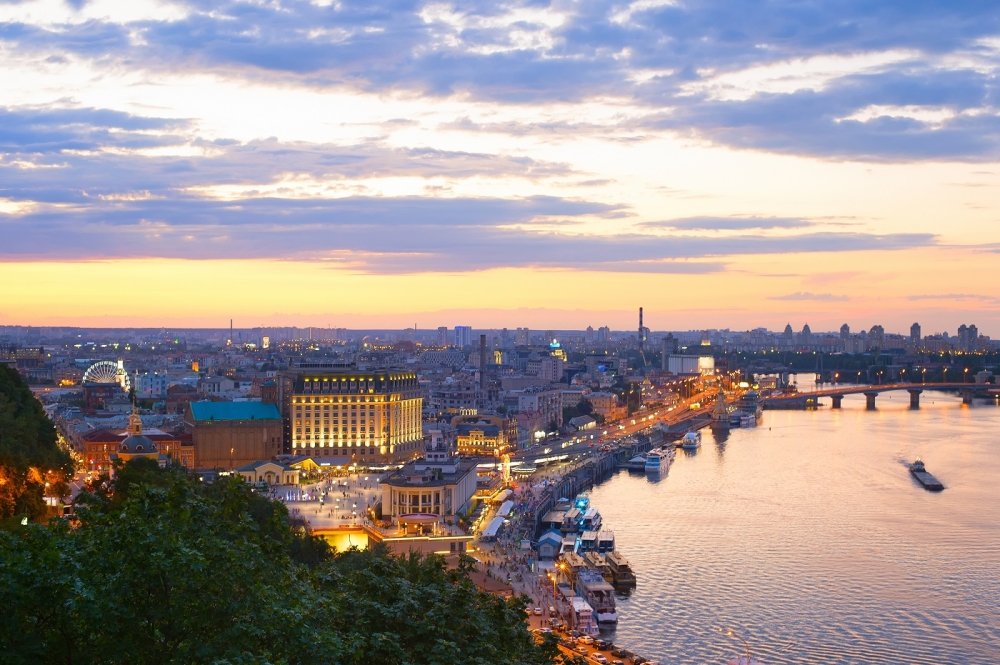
(588,473)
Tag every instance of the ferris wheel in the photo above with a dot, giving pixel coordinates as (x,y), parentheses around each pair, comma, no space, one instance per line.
(107,371)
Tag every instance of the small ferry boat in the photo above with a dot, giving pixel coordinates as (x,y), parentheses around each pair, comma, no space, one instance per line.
(923,477)
(597,561)
(659,460)
(605,541)
(691,441)
(592,587)
(591,520)
(621,572)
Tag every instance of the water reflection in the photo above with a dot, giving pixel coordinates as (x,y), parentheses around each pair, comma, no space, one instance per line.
(810,529)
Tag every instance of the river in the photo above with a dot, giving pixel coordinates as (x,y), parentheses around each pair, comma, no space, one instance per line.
(808,538)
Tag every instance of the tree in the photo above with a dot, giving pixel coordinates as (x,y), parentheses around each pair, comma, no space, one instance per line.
(163,569)
(29,453)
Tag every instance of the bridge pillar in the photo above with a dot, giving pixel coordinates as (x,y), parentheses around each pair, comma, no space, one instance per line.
(870,396)
(967,397)
(836,399)
(914,397)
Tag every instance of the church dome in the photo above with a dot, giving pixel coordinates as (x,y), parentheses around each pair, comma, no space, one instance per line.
(137,444)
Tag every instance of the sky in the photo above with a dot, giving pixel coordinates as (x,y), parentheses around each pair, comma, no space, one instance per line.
(723,164)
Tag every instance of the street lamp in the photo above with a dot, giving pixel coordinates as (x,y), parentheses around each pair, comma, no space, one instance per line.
(902,375)
(966,377)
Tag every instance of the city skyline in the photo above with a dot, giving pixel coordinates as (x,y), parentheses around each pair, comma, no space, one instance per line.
(552,165)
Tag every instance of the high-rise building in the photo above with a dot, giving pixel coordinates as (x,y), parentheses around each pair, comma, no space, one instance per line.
(668,346)
(505,341)
(522,337)
(915,336)
(463,336)
(442,336)
(876,337)
(805,337)
(788,336)
(968,337)
(369,416)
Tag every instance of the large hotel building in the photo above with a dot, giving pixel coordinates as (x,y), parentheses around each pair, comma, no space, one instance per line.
(369,416)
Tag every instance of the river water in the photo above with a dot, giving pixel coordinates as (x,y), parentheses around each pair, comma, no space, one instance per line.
(807,537)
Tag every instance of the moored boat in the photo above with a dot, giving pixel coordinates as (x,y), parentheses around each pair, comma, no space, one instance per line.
(659,460)
(592,587)
(621,571)
(691,441)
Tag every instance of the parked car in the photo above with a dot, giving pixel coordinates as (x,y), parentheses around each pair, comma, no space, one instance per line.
(603,645)
(585,639)
(538,611)
(619,653)
(599,657)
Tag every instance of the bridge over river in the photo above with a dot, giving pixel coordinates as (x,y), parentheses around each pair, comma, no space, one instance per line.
(805,400)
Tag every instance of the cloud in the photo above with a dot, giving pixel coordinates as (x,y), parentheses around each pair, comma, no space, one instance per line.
(91,183)
(388,235)
(729,223)
(975,297)
(665,56)
(53,130)
(806,296)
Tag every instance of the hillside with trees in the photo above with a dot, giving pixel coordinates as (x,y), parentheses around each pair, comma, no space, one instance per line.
(162,569)
(29,454)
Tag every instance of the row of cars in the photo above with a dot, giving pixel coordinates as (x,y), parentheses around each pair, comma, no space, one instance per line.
(598,650)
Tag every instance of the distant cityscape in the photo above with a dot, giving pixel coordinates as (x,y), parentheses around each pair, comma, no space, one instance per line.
(374,396)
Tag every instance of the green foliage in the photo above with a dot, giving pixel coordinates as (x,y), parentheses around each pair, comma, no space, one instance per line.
(28,449)
(163,569)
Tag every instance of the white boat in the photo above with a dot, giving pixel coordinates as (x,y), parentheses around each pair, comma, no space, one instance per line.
(592,587)
(691,441)
(659,460)
(591,520)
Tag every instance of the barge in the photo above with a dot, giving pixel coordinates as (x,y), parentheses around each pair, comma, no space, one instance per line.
(925,478)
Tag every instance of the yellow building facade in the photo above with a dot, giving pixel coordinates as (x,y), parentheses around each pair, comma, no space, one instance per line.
(372,417)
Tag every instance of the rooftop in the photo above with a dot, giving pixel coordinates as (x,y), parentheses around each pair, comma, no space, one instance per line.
(423,474)
(212,411)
